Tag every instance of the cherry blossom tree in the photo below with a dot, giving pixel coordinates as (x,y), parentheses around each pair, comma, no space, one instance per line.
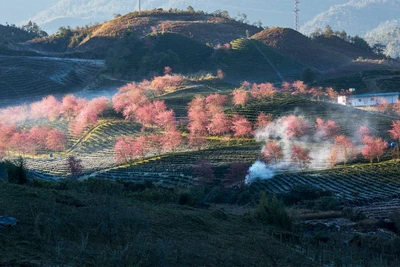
(15,114)
(333,156)
(363,131)
(263,120)
(383,106)
(395,134)
(286,87)
(326,129)
(296,127)
(332,94)
(240,97)
(345,148)
(241,127)
(197,116)
(122,149)
(272,152)
(300,156)
(166,120)
(72,105)
(56,140)
(215,103)
(171,139)
(395,131)
(316,92)
(300,88)
(98,105)
(219,124)
(373,148)
(49,106)
(396,107)
(246,85)
(38,136)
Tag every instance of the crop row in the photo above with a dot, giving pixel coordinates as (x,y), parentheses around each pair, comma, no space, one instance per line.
(354,185)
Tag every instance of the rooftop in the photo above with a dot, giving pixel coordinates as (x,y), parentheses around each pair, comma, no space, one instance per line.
(377,94)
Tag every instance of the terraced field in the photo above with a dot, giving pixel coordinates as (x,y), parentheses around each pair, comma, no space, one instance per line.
(177,169)
(26,79)
(355,185)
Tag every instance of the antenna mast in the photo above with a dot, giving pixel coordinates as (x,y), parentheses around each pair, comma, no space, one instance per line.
(296,15)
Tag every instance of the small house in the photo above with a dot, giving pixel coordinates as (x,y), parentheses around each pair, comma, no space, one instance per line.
(368,99)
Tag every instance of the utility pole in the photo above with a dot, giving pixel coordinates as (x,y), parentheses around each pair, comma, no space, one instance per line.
(139,7)
(296,15)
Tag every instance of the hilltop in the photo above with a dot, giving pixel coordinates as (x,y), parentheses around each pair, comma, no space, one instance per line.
(205,28)
(329,55)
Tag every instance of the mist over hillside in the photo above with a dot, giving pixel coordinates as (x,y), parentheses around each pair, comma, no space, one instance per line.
(387,34)
(355,16)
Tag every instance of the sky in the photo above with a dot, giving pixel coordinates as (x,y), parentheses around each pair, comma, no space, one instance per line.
(272,12)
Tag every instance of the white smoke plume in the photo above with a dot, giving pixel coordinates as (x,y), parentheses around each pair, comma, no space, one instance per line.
(259,170)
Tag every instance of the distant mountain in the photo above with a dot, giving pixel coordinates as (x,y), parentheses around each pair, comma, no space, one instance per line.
(81,12)
(388,34)
(355,16)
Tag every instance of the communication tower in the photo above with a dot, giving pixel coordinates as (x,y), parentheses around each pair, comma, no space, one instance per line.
(296,14)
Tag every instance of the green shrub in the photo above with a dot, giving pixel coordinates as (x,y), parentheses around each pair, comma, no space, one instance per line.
(272,211)
(16,171)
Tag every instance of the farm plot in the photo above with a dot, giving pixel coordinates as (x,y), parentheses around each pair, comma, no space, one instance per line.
(355,185)
(26,79)
(176,169)
(102,137)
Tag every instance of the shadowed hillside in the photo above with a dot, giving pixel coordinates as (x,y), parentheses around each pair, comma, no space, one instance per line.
(30,78)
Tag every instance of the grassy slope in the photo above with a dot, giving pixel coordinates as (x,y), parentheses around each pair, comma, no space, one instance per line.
(76,227)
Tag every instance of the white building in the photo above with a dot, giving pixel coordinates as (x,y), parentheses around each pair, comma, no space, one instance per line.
(368,99)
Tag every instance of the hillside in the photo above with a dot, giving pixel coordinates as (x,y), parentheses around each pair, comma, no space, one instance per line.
(199,26)
(329,55)
(10,34)
(26,79)
(301,48)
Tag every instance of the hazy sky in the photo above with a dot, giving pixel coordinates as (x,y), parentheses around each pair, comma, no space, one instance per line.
(276,11)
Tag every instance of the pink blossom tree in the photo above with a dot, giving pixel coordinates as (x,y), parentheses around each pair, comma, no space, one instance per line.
(263,120)
(326,129)
(272,152)
(240,97)
(241,127)
(219,124)
(296,127)
(300,88)
(71,106)
(300,156)
(345,148)
(56,140)
(171,139)
(197,116)
(396,108)
(373,148)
